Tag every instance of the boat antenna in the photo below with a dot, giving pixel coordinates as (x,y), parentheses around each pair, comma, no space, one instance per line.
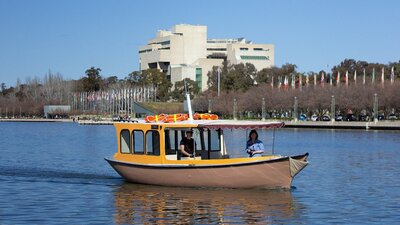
(188,102)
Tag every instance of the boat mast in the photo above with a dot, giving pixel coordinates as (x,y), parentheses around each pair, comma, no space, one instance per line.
(188,102)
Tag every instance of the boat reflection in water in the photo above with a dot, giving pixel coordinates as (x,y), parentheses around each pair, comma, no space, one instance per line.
(143,204)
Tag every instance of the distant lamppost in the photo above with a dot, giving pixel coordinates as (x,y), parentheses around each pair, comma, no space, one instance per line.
(263,112)
(234,109)
(333,108)
(295,109)
(219,80)
(375,107)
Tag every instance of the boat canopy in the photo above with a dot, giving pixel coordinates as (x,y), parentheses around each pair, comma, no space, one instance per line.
(229,124)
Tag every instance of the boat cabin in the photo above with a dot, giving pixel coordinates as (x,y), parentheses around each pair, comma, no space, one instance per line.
(159,143)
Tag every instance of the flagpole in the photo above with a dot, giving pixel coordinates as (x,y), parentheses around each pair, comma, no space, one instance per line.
(364,76)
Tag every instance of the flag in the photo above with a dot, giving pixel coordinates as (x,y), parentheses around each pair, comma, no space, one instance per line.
(315,79)
(355,76)
(364,76)
(373,75)
(322,79)
(347,77)
(272,82)
(383,75)
(293,80)
(392,76)
(279,82)
(286,82)
(338,79)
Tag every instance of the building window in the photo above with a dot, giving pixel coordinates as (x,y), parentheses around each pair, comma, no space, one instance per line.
(253,57)
(216,49)
(146,50)
(152,143)
(258,49)
(125,141)
(244,49)
(138,140)
(199,78)
(165,43)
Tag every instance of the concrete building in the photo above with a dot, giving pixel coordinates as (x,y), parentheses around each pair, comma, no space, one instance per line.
(185,52)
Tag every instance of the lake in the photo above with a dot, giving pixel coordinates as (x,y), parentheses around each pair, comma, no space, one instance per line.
(55,173)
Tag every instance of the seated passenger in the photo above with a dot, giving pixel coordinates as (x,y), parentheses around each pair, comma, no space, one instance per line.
(187,145)
(254,147)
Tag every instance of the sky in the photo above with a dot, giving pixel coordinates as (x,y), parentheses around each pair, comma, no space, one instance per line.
(70,36)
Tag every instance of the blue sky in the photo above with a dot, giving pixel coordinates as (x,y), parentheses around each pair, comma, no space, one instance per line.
(67,37)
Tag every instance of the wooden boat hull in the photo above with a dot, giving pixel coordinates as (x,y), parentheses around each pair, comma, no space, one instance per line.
(269,173)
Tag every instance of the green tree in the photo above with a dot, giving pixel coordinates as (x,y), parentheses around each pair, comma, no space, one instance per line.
(159,80)
(110,81)
(265,75)
(179,93)
(288,69)
(212,82)
(239,77)
(93,81)
(133,78)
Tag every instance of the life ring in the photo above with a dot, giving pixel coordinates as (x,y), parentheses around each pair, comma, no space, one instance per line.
(213,116)
(149,119)
(179,117)
(155,118)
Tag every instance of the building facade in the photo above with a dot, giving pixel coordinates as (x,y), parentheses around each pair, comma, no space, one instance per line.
(185,52)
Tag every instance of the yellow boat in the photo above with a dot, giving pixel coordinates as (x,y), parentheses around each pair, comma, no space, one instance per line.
(148,153)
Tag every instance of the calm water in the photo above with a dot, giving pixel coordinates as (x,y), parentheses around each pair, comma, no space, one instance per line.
(54,173)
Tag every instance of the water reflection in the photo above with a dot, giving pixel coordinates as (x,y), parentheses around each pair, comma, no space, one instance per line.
(168,205)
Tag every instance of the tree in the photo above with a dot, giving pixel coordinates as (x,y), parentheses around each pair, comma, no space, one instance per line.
(179,92)
(3,87)
(212,75)
(110,81)
(93,81)
(159,80)
(265,75)
(133,78)
(239,77)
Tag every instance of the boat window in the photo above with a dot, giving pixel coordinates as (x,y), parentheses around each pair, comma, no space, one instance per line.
(211,140)
(171,141)
(152,142)
(125,141)
(138,140)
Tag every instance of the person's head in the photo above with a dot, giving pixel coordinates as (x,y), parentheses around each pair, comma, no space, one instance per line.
(253,135)
(189,134)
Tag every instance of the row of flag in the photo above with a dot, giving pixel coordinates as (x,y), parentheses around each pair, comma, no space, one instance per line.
(137,94)
(113,100)
(284,81)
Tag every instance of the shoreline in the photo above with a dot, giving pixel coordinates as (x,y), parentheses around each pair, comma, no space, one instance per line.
(357,125)
(36,120)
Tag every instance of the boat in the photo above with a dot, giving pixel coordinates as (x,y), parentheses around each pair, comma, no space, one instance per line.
(149,153)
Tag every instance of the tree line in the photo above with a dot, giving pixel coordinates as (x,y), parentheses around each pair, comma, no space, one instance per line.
(240,81)
(313,90)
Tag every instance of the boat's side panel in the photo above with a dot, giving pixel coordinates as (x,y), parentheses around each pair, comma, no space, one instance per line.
(258,175)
